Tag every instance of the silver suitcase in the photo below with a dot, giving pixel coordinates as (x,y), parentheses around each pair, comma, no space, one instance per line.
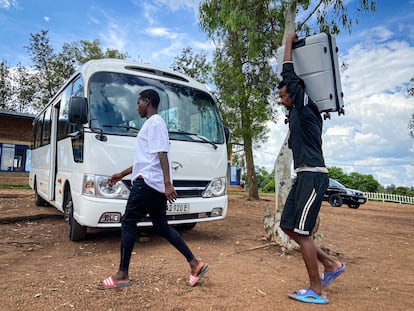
(315,60)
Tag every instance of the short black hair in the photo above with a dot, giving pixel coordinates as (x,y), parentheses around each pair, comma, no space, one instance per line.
(281,84)
(153,97)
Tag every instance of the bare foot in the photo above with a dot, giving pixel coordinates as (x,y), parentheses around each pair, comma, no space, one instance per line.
(196,266)
(333,267)
(119,278)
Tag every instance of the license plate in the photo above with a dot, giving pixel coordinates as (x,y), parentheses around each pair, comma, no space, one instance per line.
(177,208)
(361,200)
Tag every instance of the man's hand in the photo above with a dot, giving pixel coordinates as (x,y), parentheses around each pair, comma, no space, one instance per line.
(170,192)
(112,180)
(118,176)
(287,56)
(291,37)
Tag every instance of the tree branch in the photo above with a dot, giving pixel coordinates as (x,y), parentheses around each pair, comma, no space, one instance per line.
(310,15)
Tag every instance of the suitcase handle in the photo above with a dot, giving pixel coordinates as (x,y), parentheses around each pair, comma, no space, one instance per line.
(298,43)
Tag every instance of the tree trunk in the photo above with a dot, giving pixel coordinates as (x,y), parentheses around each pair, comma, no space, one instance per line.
(283,178)
(251,173)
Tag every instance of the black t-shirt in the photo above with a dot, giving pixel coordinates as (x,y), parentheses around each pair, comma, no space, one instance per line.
(305,123)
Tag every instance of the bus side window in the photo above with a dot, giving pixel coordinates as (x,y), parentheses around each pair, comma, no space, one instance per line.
(63,123)
(46,127)
(37,133)
(77,89)
(64,127)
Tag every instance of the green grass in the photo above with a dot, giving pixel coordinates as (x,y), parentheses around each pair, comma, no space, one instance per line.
(24,186)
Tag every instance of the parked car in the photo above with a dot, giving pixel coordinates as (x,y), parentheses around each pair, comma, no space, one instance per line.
(337,194)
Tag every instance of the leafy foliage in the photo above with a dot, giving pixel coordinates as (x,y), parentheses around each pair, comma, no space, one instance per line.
(193,64)
(354,180)
(30,89)
(242,74)
(5,86)
(247,35)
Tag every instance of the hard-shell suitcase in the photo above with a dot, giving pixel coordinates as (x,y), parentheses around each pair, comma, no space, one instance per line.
(315,60)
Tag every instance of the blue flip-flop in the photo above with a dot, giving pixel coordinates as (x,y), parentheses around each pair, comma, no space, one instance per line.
(307,295)
(328,277)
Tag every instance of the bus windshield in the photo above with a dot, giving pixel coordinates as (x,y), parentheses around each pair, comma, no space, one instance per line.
(190,114)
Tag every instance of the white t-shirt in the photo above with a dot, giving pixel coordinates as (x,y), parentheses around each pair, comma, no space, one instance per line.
(151,139)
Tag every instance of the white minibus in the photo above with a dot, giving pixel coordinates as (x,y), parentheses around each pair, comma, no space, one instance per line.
(87,132)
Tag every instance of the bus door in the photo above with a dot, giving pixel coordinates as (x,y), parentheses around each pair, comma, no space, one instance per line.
(54,116)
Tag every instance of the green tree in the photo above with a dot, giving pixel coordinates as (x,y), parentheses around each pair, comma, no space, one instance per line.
(337,173)
(354,180)
(53,68)
(25,93)
(82,51)
(266,180)
(43,57)
(362,182)
(193,64)
(242,71)
(248,31)
(5,86)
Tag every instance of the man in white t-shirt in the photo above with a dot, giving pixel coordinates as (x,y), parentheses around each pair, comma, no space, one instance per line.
(151,188)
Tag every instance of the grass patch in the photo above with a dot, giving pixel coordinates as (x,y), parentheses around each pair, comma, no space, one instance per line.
(24,186)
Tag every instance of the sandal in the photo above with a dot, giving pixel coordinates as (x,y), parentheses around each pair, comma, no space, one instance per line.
(110,283)
(195,278)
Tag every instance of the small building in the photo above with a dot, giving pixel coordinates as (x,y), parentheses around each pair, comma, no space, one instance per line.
(15,141)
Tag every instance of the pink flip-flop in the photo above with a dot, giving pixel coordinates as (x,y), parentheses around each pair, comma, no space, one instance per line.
(195,278)
(110,283)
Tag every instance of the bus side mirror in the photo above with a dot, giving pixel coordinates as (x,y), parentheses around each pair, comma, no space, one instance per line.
(226,134)
(78,110)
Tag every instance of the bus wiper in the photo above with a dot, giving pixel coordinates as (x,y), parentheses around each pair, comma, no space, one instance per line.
(127,127)
(202,138)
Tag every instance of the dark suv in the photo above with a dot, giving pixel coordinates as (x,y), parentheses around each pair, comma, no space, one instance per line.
(337,194)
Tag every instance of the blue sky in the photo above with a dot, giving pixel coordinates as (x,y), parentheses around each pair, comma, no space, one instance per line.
(371,138)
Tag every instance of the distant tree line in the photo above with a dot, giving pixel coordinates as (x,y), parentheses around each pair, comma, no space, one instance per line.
(411,122)
(354,180)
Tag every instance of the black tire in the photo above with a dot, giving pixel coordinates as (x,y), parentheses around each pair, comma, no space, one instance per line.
(76,231)
(335,200)
(354,205)
(39,201)
(185,227)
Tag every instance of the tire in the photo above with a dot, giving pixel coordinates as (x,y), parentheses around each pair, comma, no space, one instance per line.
(39,201)
(354,205)
(335,200)
(76,231)
(185,227)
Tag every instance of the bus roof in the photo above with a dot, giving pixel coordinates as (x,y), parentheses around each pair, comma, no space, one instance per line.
(129,67)
(145,70)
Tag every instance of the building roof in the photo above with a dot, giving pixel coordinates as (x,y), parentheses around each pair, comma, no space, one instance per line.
(7,113)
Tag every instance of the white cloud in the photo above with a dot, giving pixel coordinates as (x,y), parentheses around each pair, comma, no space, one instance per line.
(161,32)
(7,4)
(175,5)
(46,18)
(94,20)
(115,36)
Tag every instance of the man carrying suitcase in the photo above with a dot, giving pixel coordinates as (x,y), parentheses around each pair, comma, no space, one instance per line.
(304,200)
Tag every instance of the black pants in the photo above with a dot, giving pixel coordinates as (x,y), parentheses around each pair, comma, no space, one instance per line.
(145,200)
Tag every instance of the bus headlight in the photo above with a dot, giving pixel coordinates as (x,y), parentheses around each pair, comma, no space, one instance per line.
(98,186)
(216,188)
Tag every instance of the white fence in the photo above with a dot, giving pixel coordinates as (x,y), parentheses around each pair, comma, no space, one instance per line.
(387,197)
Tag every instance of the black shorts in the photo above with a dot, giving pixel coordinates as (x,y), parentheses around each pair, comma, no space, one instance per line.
(304,202)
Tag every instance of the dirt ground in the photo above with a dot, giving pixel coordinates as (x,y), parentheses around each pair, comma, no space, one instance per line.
(42,270)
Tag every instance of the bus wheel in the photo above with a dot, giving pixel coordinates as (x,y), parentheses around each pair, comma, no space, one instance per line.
(185,227)
(76,231)
(39,201)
